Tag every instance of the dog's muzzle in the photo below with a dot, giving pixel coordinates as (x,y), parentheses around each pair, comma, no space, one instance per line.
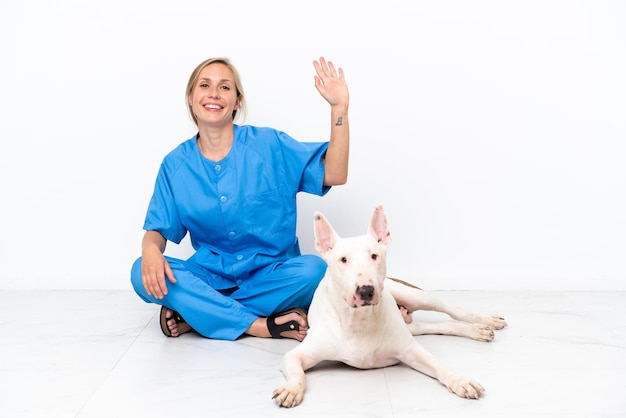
(365,295)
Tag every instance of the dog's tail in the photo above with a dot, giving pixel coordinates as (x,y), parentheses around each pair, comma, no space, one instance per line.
(404,283)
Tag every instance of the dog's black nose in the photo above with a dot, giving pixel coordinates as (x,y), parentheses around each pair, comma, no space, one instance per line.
(366,293)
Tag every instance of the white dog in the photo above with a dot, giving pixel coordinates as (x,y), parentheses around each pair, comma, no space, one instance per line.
(354,316)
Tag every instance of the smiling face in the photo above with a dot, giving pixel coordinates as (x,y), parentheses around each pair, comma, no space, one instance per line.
(214,97)
(214,93)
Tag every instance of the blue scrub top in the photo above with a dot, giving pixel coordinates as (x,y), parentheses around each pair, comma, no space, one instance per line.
(240,212)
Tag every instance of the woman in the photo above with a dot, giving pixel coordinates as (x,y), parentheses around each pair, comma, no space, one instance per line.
(233,189)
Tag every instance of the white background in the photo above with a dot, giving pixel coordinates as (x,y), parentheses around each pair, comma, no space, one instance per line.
(493,132)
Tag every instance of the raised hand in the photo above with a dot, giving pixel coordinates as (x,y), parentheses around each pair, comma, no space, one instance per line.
(331,83)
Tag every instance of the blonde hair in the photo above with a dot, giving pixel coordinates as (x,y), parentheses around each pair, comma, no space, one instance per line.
(193,80)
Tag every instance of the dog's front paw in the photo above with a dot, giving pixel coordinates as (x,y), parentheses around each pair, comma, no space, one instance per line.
(466,388)
(288,397)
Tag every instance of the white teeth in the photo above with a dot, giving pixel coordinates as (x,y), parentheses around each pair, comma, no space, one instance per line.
(211,106)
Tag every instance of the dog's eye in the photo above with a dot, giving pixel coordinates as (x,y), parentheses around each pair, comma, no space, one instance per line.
(374,256)
(344,260)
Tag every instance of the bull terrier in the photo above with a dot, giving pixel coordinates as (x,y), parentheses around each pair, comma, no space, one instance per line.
(354,316)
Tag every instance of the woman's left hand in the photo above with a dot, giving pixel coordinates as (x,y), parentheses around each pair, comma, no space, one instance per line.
(331,84)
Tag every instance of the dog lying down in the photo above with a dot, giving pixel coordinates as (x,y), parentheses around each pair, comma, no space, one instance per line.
(354,316)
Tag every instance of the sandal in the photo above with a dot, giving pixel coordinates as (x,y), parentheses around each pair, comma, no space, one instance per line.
(176,317)
(275,329)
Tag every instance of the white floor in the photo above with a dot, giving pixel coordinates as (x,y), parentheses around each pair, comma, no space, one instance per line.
(102,354)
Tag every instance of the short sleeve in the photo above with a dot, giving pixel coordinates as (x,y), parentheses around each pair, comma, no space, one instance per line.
(162,215)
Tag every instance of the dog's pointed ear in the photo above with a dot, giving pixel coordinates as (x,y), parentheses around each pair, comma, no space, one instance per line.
(325,235)
(378,226)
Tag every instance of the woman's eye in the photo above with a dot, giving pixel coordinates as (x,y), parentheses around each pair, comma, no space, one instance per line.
(225,88)
(204,85)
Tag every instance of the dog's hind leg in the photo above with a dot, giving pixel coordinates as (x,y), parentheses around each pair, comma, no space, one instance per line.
(477,332)
(455,312)
(415,299)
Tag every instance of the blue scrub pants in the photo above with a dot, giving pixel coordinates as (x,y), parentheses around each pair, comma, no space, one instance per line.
(227,314)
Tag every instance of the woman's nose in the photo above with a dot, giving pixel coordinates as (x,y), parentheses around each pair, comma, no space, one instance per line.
(214,92)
